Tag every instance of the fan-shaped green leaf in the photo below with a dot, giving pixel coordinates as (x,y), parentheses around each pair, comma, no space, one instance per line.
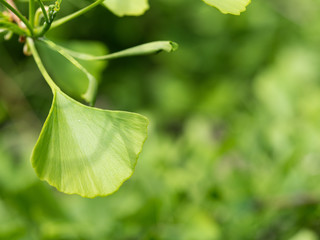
(87,151)
(127,7)
(229,6)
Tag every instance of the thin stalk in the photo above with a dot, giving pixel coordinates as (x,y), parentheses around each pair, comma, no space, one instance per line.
(75,14)
(37,17)
(18,14)
(40,65)
(45,14)
(31,12)
(43,30)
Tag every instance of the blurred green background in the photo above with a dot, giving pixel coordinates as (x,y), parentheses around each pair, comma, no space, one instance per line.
(234,140)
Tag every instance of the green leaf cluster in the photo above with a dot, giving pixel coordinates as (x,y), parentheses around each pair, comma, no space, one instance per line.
(81,149)
(138,7)
(84,150)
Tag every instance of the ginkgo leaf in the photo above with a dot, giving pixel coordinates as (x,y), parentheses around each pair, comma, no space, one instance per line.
(127,7)
(229,6)
(87,151)
(77,79)
(90,93)
(144,49)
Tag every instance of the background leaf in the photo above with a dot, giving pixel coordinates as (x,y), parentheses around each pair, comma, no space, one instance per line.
(229,6)
(88,151)
(127,7)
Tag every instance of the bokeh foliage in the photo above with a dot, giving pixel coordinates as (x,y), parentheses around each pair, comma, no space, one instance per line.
(234,138)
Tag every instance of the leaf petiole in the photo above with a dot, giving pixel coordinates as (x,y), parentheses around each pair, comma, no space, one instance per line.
(40,65)
(45,14)
(47,24)
(31,12)
(75,14)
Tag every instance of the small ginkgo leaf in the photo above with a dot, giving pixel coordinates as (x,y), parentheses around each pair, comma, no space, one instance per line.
(87,151)
(74,78)
(144,49)
(127,7)
(229,6)
(90,93)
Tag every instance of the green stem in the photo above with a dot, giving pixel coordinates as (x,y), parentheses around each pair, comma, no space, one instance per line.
(74,15)
(43,30)
(40,65)
(37,17)
(18,14)
(45,14)
(31,12)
